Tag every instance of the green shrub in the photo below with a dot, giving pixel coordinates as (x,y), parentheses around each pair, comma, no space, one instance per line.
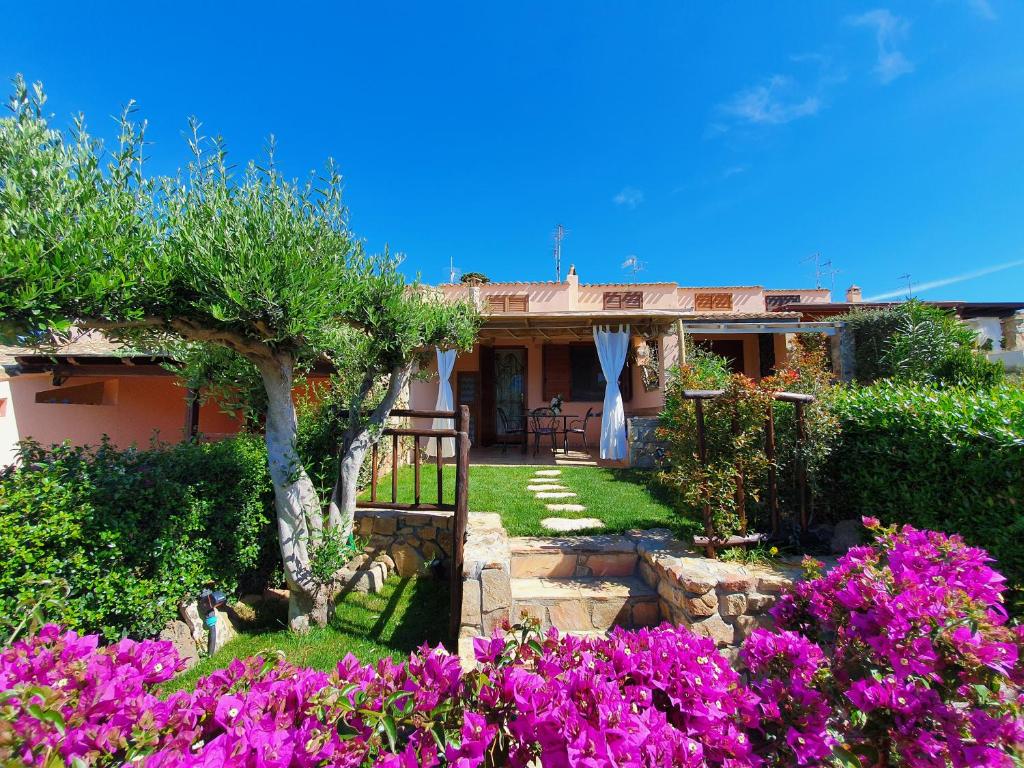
(133,532)
(916,342)
(945,459)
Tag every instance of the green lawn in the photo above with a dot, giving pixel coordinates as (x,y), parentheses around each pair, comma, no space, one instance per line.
(621,498)
(404,615)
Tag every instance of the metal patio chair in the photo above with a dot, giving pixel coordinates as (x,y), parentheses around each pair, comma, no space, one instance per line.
(544,423)
(579,427)
(509,426)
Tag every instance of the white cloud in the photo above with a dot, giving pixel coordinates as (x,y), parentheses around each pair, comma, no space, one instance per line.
(733,170)
(889,30)
(773,102)
(629,197)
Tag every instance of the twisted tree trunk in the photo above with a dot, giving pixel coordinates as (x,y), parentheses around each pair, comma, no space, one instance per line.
(357,440)
(299,516)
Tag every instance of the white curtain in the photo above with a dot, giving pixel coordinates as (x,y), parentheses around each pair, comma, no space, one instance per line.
(611,350)
(445,402)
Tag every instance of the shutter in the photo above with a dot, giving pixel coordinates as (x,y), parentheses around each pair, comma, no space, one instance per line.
(633,300)
(496,303)
(557,380)
(519,303)
(712,302)
(612,300)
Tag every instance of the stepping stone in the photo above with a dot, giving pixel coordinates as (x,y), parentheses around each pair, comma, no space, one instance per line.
(568,524)
(548,472)
(555,494)
(566,508)
(546,487)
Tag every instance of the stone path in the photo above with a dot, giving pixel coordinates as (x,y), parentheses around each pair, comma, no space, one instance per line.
(546,484)
(564,524)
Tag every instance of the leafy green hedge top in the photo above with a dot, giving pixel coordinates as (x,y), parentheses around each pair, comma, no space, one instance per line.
(133,532)
(946,459)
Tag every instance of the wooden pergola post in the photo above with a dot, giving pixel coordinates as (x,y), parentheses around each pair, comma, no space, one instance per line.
(681,341)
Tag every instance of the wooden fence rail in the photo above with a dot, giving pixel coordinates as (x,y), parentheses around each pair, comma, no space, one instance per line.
(460,507)
(799,400)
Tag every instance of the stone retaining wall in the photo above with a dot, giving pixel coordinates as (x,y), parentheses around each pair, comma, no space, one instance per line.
(487,577)
(413,540)
(646,451)
(723,601)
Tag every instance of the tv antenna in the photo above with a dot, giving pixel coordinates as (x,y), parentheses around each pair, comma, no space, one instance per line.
(910,285)
(453,273)
(634,265)
(822,270)
(559,235)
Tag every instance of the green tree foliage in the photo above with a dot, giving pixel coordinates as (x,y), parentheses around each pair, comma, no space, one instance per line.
(133,532)
(916,342)
(255,263)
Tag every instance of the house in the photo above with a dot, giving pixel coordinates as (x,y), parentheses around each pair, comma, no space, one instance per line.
(999,324)
(92,386)
(540,340)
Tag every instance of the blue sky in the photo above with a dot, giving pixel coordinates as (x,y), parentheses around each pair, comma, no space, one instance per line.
(718,146)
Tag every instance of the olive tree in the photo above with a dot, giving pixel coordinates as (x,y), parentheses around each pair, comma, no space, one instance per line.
(254,263)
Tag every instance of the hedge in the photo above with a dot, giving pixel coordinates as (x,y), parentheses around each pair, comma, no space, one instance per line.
(132,532)
(945,459)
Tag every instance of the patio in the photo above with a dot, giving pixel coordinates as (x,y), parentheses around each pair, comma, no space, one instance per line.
(513,455)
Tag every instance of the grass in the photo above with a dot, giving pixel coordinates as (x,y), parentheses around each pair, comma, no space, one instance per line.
(621,498)
(404,615)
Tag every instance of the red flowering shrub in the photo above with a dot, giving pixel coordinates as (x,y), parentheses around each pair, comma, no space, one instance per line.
(922,668)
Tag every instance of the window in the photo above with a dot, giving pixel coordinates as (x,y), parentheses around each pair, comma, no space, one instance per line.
(100,393)
(775,301)
(713,302)
(623,300)
(509,303)
(574,372)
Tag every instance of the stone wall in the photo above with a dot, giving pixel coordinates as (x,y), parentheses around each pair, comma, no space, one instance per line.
(646,451)
(723,601)
(487,578)
(412,540)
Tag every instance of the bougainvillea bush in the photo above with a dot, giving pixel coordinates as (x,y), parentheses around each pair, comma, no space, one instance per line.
(900,656)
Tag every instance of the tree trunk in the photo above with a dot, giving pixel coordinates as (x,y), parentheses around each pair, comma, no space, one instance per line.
(358,439)
(299,517)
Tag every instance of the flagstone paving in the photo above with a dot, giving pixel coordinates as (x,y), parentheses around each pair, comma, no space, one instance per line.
(548,472)
(570,524)
(555,495)
(566,508)
(546,487)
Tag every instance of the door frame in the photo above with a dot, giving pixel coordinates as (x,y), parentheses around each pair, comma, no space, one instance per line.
(489,436)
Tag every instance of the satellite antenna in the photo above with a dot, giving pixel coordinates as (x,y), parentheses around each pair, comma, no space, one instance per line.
(634,265)
(910,285)
(560,233)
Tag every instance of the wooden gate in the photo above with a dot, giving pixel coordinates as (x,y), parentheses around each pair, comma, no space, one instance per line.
(459,509)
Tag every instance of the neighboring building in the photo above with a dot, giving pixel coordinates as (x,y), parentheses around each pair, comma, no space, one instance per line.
(537,342)
(92,387)
(999,324)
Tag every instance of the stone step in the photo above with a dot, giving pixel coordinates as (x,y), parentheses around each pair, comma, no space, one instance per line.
(573,556)
(586,604)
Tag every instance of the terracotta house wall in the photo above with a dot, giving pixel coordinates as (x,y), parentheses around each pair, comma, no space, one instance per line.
(145,407)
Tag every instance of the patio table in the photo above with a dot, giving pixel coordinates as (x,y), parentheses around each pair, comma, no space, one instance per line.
(565,417)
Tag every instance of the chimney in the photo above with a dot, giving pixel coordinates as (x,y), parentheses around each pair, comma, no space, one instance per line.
(853,295)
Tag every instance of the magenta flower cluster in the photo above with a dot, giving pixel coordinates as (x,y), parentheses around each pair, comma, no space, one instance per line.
(923,668)
(900,656)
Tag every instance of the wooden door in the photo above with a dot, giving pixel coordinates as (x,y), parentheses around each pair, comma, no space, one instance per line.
(467,384)
(488,427)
